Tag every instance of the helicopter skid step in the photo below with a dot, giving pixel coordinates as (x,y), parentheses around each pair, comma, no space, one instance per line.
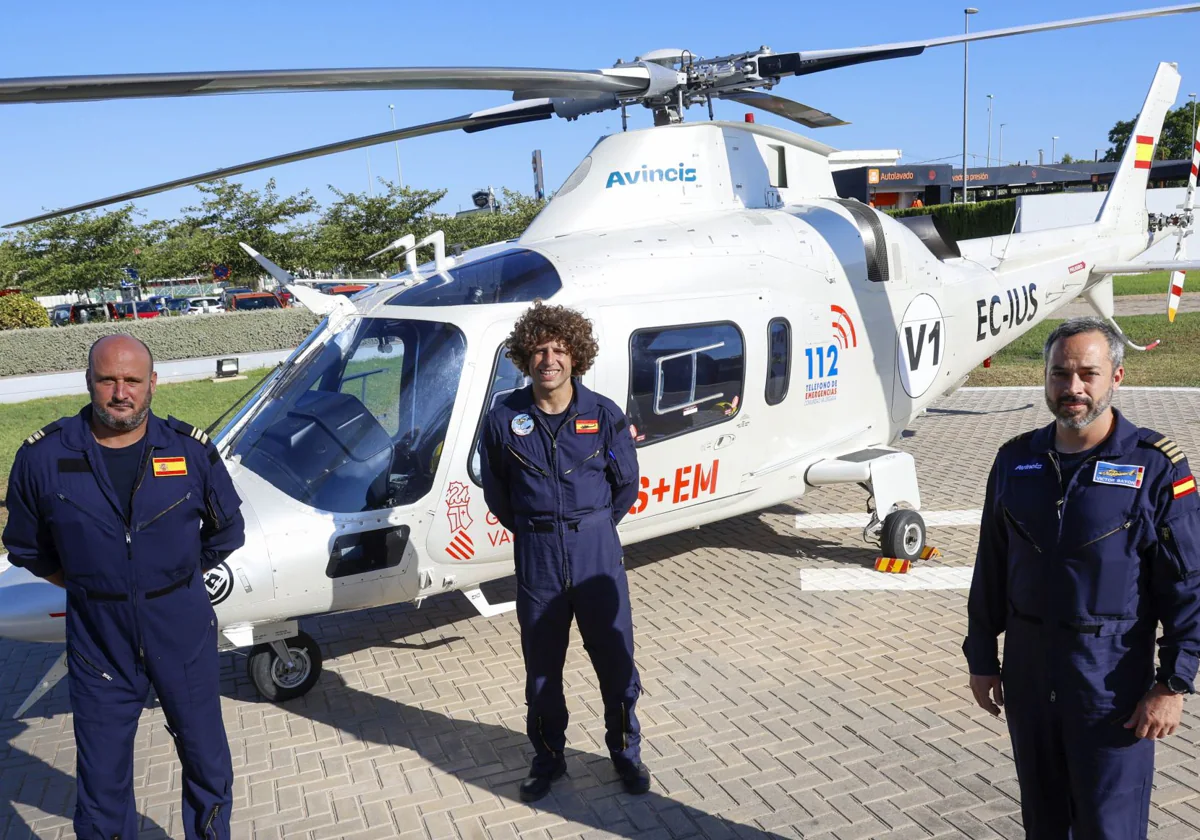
(487,610)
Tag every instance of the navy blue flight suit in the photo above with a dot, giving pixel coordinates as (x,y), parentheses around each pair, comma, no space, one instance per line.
(1078,582)
(138,613)
(561,490)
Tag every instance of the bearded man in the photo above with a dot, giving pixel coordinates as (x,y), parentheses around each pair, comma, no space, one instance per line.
(1090,538)
(126,511)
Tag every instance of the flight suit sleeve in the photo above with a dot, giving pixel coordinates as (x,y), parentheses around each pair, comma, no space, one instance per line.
(1176,576)
(987,605)
(222,530)
(493,473)
(621,467)
(27,533)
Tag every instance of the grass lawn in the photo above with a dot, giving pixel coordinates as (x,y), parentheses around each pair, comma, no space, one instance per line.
(1154,283)
(199,403)
(1174,362)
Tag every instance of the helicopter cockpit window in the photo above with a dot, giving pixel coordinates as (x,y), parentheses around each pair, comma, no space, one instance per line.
(360,426)
(683,379)
(779,360)
(505,379)
(511,276)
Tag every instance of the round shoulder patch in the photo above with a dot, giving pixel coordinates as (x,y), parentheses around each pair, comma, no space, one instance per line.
(522,424)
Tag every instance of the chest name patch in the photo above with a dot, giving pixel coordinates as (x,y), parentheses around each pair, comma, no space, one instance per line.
(1122,475)
(170,466)
(587,427)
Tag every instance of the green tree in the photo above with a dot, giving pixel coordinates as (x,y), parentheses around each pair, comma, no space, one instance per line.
(77,252)
(514,215)
(1067,158)
(208,234)
(357,225)
(1175,143)
(19,311)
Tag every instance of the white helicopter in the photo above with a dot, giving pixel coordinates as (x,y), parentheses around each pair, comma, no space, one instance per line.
(765,336)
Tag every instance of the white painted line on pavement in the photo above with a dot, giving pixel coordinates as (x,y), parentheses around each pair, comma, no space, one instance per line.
(843,580)
(933,519)
(1180,388)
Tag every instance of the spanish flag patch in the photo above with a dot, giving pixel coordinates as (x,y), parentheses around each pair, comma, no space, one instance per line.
(1184,486)
(587,427)
(170,466)
(1144,154)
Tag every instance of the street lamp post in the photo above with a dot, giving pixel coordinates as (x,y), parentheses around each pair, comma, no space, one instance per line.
(1053,145)
(1000,152)
(370,180)
(1192,97)
(399,180)
(967,12)
(989,153)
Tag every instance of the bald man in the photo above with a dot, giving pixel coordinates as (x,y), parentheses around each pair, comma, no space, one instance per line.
(127,511)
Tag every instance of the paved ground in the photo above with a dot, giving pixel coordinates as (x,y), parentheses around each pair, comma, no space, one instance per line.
(1136,305)
(771,711)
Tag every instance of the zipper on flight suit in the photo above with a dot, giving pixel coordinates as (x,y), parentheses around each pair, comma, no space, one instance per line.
(129,548)
(212,816)
(1058,506)
(562,540)
(581,463)
(160,515)
(91,664)
(1109,534)
(1020,529)
(526,461)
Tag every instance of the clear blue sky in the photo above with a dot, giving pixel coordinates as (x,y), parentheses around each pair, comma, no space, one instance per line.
(1074,83)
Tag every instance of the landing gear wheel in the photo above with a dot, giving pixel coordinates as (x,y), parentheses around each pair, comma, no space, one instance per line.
(903,535)
(273,678)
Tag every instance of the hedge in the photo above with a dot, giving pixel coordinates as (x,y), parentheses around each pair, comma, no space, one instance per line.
(54,349)
(20,312)
(974,221)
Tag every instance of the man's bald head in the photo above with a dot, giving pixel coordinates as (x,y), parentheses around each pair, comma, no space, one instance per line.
(121,381)
(120,344)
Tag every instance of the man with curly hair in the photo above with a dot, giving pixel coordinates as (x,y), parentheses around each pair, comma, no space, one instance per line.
(560,471)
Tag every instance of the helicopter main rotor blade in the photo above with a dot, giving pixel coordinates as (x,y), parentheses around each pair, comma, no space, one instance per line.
(806,115)
(626,80)
(478,121)
(812,61)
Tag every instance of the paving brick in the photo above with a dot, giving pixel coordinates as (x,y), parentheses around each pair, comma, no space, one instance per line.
(771,711)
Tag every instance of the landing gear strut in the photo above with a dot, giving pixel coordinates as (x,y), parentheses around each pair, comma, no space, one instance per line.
(285,670)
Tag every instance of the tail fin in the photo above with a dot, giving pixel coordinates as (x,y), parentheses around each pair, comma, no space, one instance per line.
(1125,205)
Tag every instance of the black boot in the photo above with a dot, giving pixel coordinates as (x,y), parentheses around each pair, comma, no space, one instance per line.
(635,776)
(537,783)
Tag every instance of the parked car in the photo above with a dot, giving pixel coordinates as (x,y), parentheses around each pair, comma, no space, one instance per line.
(226,294)
(203,304)
(82,313)
(253,300)
(135,309)
(177,306)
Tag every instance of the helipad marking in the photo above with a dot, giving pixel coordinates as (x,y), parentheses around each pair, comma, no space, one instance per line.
(933,518)
(842,580)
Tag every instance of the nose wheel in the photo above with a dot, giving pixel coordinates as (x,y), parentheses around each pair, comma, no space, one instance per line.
(285,670)
(903,535)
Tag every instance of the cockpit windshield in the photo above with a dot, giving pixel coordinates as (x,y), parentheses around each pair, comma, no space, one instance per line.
(361,422)
(510,276)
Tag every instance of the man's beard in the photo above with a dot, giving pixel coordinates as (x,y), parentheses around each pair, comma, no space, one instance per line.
(1076,422)
(119,424)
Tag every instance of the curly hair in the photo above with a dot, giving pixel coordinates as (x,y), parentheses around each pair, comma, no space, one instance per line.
(542,323)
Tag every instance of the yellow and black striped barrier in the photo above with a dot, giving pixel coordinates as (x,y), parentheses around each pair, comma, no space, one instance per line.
(897,566)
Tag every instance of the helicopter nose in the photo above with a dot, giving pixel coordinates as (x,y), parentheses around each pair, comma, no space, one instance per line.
(31,610)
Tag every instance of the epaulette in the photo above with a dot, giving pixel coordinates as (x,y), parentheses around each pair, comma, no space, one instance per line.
(1018,438)
(42,432)
(189,430)
(1163,444)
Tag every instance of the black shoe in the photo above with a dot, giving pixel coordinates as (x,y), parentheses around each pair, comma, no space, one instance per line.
(635,777)
(537,784)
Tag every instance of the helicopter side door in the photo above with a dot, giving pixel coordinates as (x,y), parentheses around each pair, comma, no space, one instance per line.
(682,375)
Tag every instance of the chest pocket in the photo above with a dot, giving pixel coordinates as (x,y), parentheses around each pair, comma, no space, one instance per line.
(1104,565)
